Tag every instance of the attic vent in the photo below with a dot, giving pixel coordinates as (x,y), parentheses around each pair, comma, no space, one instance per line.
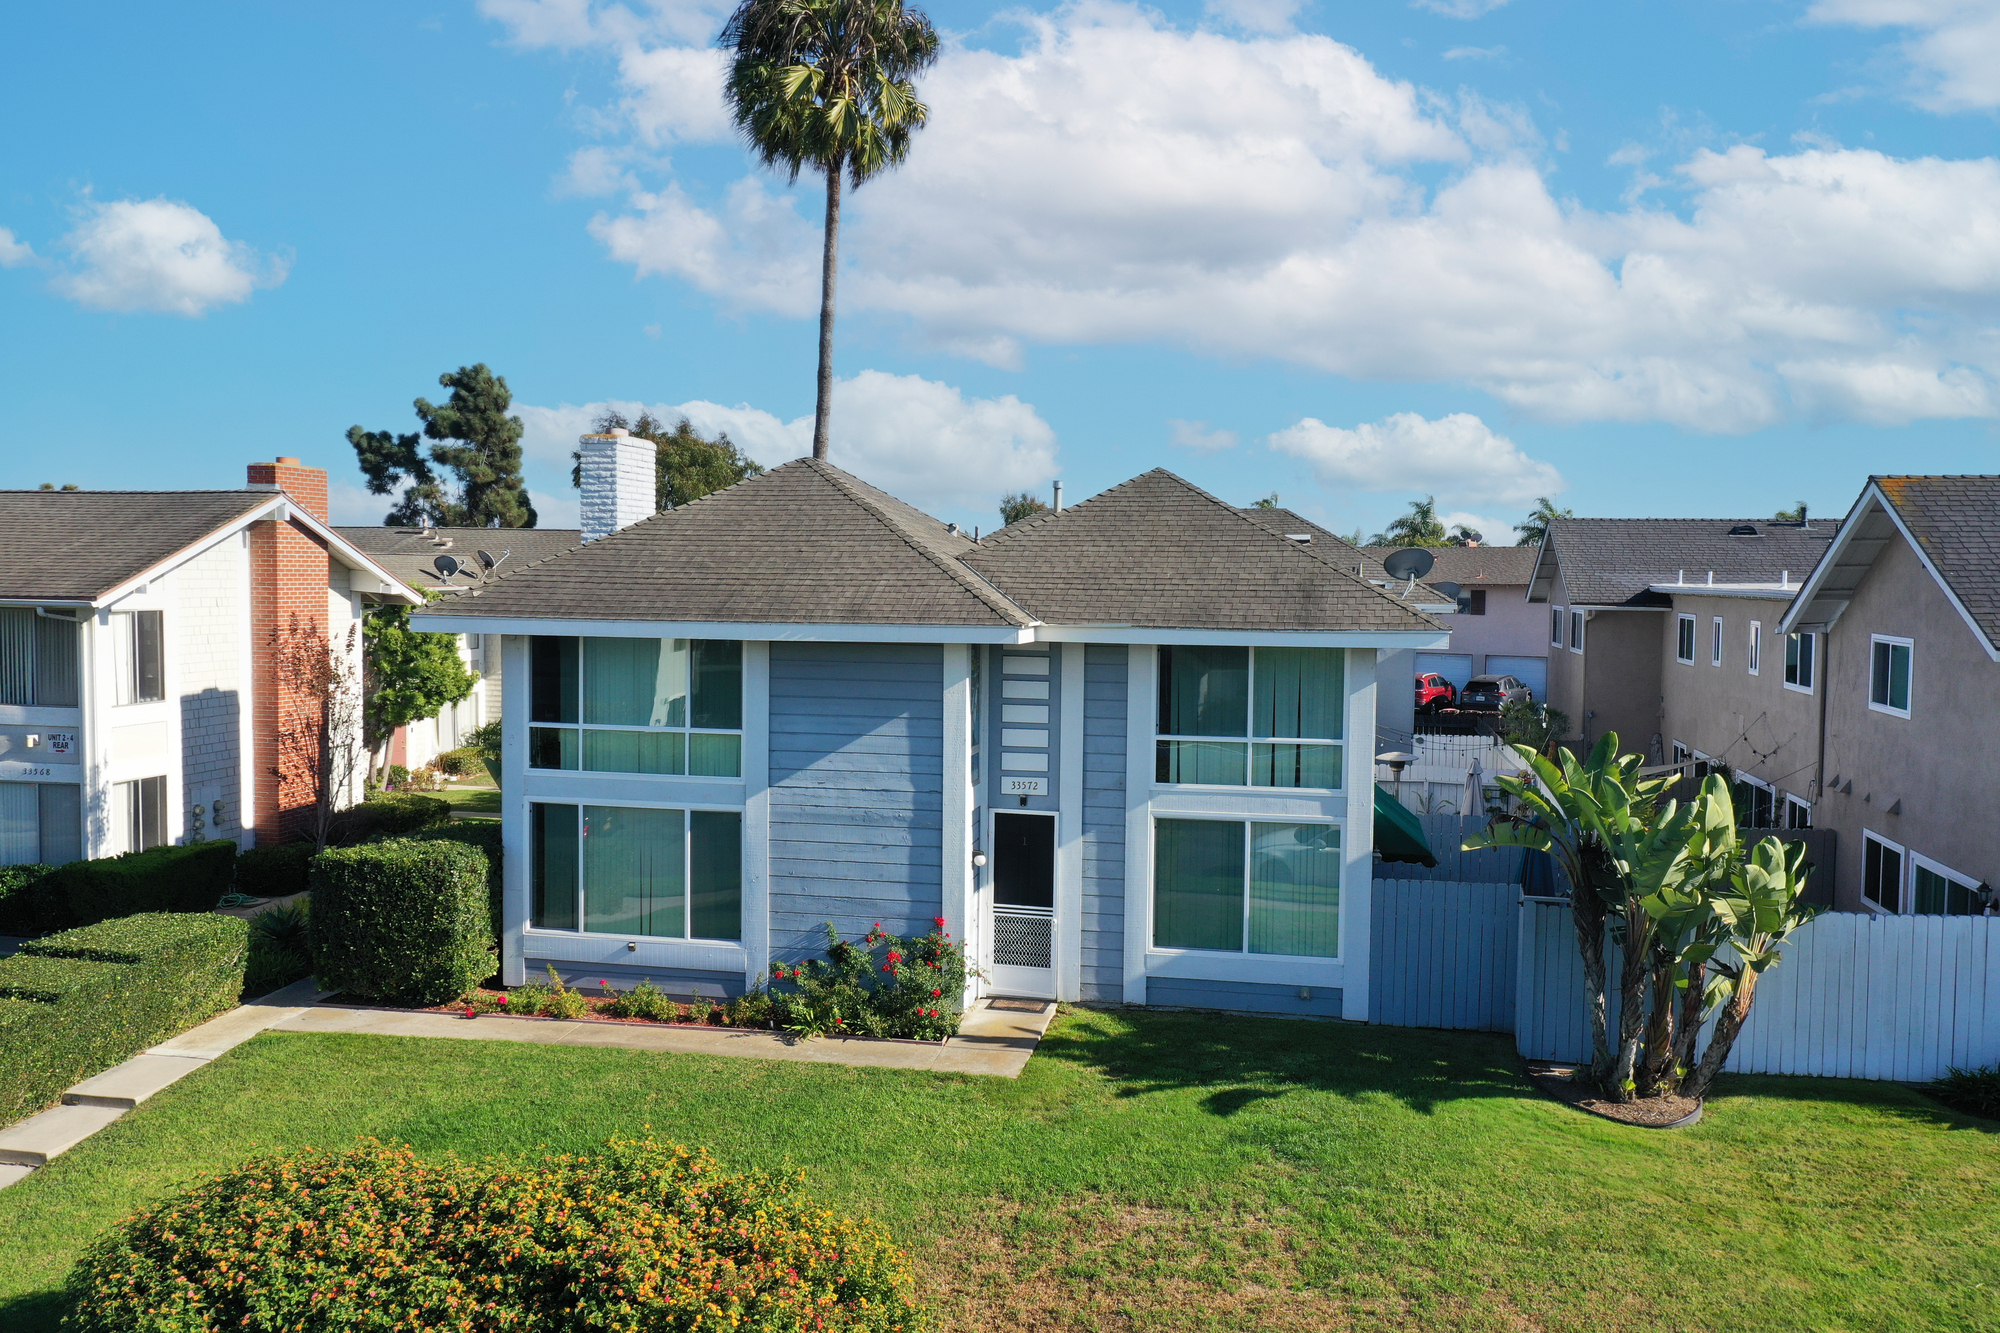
(1743,530)
(1299,536)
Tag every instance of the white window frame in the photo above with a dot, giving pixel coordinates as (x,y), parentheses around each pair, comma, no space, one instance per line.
(1715,641)
(1938,868)
(1246,820)
(1684,620)
(1682,754)
(1250,742)
(688,809)
(1812,684)
(1869,835)
(1754,649)
(1797,803)
(1909,686)
(1575,630)
(1768,788)
(1558,625)
(690,731)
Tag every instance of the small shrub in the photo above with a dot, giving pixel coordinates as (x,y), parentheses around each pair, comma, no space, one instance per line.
(392,815)
(403,920)
(462,762)
(527,999)
(398,775)
(78,1002)
(881,986)
(285,927)
(644,1000)
(1973,1091)
(561,1001)
(638,1235)
(271,967)
(275,872)
(752,1010)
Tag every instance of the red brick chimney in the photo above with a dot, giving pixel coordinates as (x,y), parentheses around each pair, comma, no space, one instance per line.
(288,577)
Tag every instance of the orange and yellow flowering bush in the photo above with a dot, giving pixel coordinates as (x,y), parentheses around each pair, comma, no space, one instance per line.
(641,1236)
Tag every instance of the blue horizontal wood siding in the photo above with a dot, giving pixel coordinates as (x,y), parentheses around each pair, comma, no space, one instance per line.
(1105,677)
(682,983)
(857,790)
(1250,996)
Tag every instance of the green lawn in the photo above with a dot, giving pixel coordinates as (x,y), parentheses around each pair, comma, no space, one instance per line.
(479,800)
(1170,1171)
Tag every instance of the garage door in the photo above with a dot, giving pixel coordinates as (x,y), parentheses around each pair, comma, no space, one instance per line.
(1454,667)
(1531,671)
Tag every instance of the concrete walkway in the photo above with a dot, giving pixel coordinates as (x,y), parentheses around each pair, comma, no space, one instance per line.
(995,1038)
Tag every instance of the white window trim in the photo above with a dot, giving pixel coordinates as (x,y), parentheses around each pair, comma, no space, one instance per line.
(1715,641)
(1801,803)
(1764,786)
(1940,869)
(1684,618)
(580,727)
(1576,621)
(1152,896)
(1807,689)
(1910,685)
(1869,835)
(687,808)
(1249,742)
(1561,627)
(1754,647)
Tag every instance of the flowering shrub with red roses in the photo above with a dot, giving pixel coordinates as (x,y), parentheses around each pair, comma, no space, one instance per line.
(881,985)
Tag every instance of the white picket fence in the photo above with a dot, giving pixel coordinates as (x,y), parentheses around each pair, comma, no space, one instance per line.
(1856,996)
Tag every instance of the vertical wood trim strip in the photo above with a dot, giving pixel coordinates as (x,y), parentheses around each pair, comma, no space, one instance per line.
(1069,827)
(1357,836)
(516,871)
(756,813)
(1142,706)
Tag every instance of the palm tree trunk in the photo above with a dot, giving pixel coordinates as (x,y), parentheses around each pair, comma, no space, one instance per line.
(1631,1002)
(1727,1024)
(1688,1031)
(1586,911)
(1657,1069)
(824,411)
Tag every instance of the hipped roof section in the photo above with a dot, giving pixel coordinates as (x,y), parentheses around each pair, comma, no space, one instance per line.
(1616,561)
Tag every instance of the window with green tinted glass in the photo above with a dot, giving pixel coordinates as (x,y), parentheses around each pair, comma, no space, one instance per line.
(1247,886)
(668,706)
(1286,704)
(637,870)
(1889,675)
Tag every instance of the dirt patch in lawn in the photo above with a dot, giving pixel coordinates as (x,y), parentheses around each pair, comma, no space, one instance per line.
(1575,1087)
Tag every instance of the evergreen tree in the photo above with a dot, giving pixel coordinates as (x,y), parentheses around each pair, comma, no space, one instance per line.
(686,466)
(1017,506)
(478,444)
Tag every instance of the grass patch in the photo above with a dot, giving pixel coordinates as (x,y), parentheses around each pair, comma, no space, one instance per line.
(1176,1172)
(477,800)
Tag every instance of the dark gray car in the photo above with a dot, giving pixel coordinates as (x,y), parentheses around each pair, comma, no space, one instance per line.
(1486,694)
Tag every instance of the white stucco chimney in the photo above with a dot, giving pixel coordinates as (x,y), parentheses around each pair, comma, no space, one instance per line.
(617,476)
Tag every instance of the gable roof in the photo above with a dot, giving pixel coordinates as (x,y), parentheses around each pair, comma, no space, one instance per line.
(1158,552)
(1953,526)
(1475,566)
(1615,561)
(804,543)
(410,553)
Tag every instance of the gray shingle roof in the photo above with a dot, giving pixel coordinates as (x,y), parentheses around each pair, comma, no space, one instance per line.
(1475,566)
(1957,522)
(1613,561)
(1157,552)
(804,543)
(79,545)
(410,553)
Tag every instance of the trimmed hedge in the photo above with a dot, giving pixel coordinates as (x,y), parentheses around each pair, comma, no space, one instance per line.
(393,815)
(189,878)
(275,872)
(638,1236)
(19,903)
(75,1004)
(485,835)
(405,920)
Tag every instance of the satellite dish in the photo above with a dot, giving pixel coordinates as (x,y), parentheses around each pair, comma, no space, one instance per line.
(1450,589)
(489,561)
(1464,603)
(1412,562)
(446,566)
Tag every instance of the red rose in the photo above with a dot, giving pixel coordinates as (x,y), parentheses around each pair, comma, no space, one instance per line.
(936,993)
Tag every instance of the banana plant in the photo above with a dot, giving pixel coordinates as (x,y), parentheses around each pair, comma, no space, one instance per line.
(1685,934)
(1761,907)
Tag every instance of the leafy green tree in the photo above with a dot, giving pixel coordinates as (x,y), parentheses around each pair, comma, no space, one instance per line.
(1763,903)
(1268,502)
(1464,536)
(1796,515)
(828,85)
(1419,527)
(1017,505)
(408,675)
(1536,525)
(685,465)
(478,444)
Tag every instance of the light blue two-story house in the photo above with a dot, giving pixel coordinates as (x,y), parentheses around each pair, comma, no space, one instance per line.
(1123,749)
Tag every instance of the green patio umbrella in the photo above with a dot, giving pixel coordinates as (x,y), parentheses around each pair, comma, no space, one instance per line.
(1399,835)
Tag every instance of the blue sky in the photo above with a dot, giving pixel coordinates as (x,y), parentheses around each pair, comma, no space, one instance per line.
(1705,257)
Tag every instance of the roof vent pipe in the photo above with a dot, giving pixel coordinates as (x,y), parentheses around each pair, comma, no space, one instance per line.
(1711,578)
(1058,497)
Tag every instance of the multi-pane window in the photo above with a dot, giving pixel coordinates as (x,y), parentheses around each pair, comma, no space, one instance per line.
(1557,620)
(1684,638)
(1238,886)
(1881,872)
(38,659)
(1798,814)
(637,705)
(1755,651)
(139,813)
(40,823)
(1889,675)
(636,870)
(1575,630)
(136,653)
(1799,665)
(1715,642)
(1259,717)
(1756,804)
(1938,891)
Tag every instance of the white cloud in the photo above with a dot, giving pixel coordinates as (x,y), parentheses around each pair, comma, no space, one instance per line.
(1254,15)
(159,255)
(1458,9)
(919,440)
(1121,180)
(1475,53)
(1953,49)
(1457,458)
(570,24)
(559,510)
(14,253)
(1197,436)
(1492,531)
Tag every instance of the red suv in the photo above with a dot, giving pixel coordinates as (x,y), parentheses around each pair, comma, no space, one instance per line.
(1434,692)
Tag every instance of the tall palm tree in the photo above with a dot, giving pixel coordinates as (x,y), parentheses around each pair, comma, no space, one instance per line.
(1419,527)
(827,84)
(1536,525)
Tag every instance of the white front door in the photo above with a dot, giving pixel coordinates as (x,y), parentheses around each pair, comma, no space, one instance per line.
(1022,930)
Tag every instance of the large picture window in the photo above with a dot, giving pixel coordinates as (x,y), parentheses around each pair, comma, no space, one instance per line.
(1258,717)
(672,706)
(1236,886)
(38,658)
(637,870)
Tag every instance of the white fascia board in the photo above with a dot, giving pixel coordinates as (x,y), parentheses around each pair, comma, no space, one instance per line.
(1384,640)
(84,602)
(1535,574)
(1830,558)
(1768,592)
(354,558)
(443,621)
(1874,493)
(1594,607)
